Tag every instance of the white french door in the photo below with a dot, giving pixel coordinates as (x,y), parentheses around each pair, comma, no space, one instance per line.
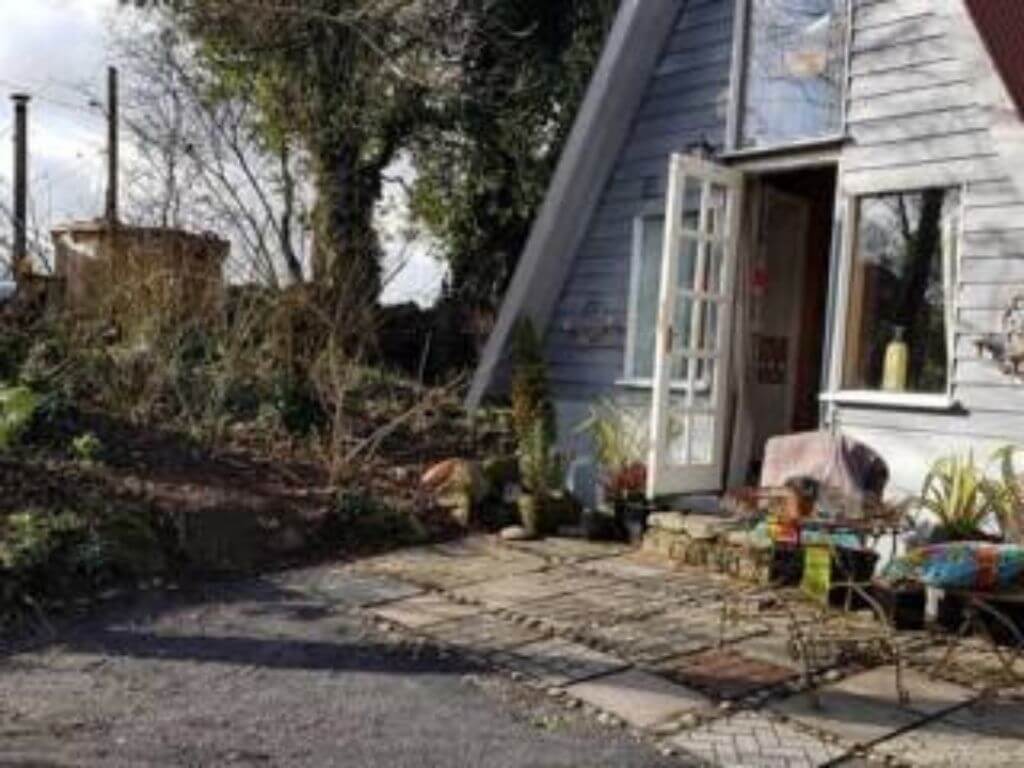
(691,365)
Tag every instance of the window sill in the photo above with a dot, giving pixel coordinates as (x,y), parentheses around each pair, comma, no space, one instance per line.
(905,400)
(822,143)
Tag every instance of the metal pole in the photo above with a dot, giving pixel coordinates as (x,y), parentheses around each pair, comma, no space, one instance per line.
(112,145)
(20,181)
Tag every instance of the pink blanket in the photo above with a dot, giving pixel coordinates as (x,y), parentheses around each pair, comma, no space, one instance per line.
(835,462)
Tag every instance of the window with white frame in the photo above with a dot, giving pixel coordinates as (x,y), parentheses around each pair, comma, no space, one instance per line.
(900,313)
(794,76)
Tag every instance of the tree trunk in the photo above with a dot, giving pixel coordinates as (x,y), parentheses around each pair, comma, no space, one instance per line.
(292,263)
(347,253)
(926,240)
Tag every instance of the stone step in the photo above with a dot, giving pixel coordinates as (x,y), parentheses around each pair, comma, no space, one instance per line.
(710,548)
(696,526)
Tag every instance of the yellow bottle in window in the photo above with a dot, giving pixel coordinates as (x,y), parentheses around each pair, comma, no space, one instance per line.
(897,357)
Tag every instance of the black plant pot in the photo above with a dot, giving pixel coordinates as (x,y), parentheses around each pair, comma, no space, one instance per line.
(950,612)
(904,605)
(600,526)
(856,565)
(787,566)
(632,519)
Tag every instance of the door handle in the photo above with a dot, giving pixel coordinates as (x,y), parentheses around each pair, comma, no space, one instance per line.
(670,339)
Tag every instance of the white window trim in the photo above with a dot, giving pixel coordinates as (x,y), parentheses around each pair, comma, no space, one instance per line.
(952,279)
(904,400)
(738,82)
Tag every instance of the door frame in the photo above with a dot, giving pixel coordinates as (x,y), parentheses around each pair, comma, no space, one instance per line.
(751,172)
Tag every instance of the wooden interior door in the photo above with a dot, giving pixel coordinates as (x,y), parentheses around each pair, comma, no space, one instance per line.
(697,291)
(778,311)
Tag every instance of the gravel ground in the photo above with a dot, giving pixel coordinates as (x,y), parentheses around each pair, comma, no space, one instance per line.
(265,675)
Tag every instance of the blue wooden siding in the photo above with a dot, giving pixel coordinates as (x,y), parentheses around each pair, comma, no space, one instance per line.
(685,102)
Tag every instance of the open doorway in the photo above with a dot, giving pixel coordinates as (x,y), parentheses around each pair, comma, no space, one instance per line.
(789,302)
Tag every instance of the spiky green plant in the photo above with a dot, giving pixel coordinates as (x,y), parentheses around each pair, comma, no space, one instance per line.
(958,492)
(1012,494)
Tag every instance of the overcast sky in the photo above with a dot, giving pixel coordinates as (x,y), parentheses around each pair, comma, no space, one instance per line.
(55,50)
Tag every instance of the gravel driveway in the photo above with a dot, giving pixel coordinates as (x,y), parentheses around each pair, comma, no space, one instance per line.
(263,674)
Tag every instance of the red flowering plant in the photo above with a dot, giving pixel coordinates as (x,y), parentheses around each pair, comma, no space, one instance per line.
(629,483)
(620,443)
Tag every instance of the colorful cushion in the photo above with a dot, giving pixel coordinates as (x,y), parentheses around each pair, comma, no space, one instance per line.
(961,565)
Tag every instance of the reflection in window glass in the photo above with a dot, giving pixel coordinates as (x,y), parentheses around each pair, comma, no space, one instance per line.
(645,312)
(796,64)
(902,280)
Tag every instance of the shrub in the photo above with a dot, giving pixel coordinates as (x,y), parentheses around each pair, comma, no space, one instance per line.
(13,349)
(46,556)
(86,447)
(360,520)
(530,396)
(17,409)
(300,410)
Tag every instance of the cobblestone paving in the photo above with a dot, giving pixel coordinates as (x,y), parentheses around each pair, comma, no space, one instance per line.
(453,565)
(349,588)
(754,740)
(422,610)
(627,567)
(557,662)
(569,550)
(534,586)
(484,634)
(649,641)
(672,633)
(596,606)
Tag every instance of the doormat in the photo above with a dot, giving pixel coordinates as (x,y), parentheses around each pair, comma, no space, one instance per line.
(726,675)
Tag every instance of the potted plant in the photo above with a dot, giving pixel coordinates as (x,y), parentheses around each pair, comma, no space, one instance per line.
(626,490)
(533,423)
(620,445)
(964,500)
(542,472)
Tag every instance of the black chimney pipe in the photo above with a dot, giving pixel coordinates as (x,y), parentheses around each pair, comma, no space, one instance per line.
(20,181)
